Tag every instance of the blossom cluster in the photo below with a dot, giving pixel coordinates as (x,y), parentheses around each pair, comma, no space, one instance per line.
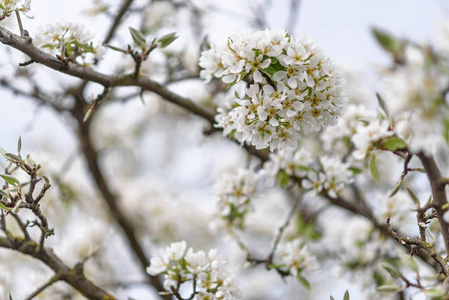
(9,6)
(416,96)
(207,273)
(337,139)
(330,176)
(68,40)
(294,257)
(236,192)
(368,136)
(292,88)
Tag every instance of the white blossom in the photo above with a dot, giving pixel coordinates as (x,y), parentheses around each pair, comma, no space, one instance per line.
(213,281)
(366,136)
(293,88)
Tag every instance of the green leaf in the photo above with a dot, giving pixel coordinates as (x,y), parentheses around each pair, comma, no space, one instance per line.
(388,288)
(19,144)
(382,103)
(11,180)
(391,269)
(304,281)
(346,296)
(5,207)
(413,196)
(394,143)
(3,152)
(282,178)
(167,39)
(396,189)
(408,261)
(138,37)
(332,298)
(30,161)
(115,48)
(373,167)
(435,293)
(387,41)
(11,156)
(4,194)
(46,179)
(355,170)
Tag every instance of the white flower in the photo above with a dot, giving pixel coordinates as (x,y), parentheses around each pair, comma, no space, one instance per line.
(195,261)
(295,257)
(288,93)
(212,280)
(176,250)
(366,136)
(158,265)
(314,182)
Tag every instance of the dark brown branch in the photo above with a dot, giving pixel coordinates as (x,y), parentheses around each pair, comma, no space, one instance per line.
(422,245)
(91,157)
(366,212)
(71,276)
(117,20)
(438,193)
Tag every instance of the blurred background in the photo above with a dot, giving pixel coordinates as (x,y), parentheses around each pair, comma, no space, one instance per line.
(155,156)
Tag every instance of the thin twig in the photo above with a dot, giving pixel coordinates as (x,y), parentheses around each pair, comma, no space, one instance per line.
(282,228)
(54,279)
(22,226)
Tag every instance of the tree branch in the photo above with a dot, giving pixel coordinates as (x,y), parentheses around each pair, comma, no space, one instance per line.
(91,157)
(438,193)
(73,277)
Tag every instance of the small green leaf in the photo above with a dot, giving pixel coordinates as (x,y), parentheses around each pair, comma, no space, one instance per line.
(388,288)
(5,207)
(408,261)
(373,167)
(394,143)
(47,181)
(16,208)
(346,296)
(138,37)
(396,189)
(4,194)
(435,293)
(382,103)
(19,144)
(387,41)
(304,281)
(11,156)
(30,161)
(391,269)
(11,180)
(3,152)
(167,39)
(282,178)
(355,170)
(115,48)
(413,196)
(332,298)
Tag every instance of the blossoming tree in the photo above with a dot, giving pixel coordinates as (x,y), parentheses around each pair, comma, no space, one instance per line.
(307,175)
